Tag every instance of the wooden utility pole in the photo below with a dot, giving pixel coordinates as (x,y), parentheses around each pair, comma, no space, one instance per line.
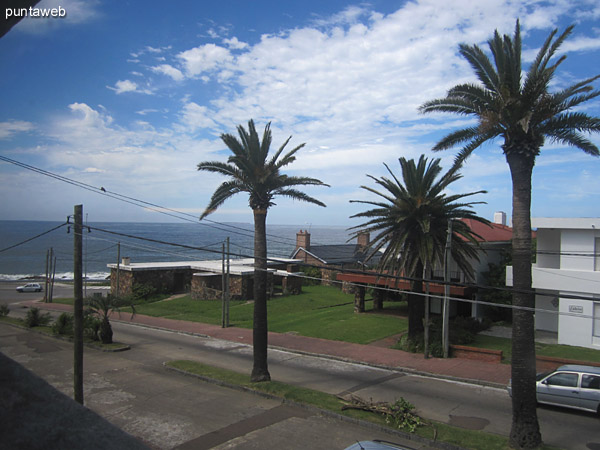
(47,276)
(78,306)
(446,309)
(118,293)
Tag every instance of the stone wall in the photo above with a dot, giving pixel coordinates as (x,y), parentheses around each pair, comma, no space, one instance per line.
(164,281)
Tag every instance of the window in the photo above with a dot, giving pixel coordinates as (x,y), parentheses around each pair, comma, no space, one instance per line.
(590,381)
(597,254)
(563,379)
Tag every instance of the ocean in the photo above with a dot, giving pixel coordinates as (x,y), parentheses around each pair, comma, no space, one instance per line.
(20,259)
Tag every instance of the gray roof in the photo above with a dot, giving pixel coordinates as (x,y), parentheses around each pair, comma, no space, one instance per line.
(339,254)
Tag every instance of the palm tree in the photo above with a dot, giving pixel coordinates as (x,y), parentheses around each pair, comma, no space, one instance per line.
(102,306)
(409,223)
(250,171)
(524,113)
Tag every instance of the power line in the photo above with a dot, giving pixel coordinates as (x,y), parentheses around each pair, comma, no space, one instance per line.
(34,237)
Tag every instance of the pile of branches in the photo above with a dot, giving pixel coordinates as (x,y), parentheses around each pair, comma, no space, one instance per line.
(400,414)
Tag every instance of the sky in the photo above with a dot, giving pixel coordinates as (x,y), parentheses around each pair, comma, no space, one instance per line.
(130,96)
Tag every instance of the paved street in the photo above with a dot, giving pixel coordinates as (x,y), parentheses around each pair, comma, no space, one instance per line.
(113,388)
(166,409)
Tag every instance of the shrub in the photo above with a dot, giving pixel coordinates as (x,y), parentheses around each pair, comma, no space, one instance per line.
(142,292)
(91,326)
(462,332)
(4,310)
(34,318)
(63,325)
(314,274)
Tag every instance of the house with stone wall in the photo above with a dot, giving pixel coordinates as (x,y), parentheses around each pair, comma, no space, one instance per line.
(331,258)
(203,279)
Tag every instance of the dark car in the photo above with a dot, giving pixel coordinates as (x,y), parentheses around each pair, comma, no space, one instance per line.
(571,386)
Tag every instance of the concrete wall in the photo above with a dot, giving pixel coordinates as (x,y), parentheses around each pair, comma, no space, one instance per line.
(547,321)
(575,325)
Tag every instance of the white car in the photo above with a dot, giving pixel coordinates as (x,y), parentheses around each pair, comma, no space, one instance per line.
(572,386)
(30,287)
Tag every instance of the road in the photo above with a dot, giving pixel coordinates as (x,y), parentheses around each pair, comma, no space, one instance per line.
(460,404)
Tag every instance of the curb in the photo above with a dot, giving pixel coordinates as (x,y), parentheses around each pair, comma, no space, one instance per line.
(334,358)
(323,412)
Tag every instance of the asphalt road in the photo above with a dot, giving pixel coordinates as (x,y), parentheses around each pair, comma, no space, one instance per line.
(460,404)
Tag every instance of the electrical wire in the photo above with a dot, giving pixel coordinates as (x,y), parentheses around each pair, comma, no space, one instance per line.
(32,238)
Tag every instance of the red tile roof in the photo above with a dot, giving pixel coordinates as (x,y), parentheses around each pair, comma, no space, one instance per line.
(493,232)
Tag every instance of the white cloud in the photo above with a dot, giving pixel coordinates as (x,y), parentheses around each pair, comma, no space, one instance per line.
(235,44)
(77,12)
(123,86)
(203,59)
(170,71)
(10,128)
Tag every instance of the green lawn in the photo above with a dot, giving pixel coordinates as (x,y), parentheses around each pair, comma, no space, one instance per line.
(557,351)
(320,311)
(468,439)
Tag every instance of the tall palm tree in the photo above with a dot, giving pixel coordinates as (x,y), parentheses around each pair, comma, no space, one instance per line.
(409,223)
(524,113)
(249,170)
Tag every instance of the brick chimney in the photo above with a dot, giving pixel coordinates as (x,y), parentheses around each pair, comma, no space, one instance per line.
(303,240)
(363,239)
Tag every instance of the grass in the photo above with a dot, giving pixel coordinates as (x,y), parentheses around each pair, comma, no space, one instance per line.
(557,351)
(320,311)
(463,438)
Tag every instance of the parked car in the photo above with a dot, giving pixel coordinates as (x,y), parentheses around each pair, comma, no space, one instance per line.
(571,386)
(376,444)
(30,287)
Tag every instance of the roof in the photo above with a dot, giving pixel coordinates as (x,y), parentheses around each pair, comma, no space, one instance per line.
(573,223)
(337,254)
(244,266)
(492,232)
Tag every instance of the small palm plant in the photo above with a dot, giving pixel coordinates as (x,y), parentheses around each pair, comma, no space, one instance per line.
(102,307)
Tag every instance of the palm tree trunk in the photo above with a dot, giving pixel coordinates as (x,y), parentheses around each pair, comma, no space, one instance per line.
(525,431)
(416,305)
(260,370)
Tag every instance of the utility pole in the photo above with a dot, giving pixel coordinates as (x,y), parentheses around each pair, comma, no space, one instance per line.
(117,294)
(53,266)
(446,309)
(223,285)
(427,302)
(78,306)
(227,288)
(47,277)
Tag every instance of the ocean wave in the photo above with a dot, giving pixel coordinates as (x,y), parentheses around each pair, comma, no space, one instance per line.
(64,276)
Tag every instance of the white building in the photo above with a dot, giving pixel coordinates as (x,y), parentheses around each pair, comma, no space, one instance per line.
(568,265)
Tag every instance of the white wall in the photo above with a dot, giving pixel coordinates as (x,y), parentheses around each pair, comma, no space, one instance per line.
(547,321)
(575,325)
(548,241)
(577,241)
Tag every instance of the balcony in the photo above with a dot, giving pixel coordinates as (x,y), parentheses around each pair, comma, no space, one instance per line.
(561,279)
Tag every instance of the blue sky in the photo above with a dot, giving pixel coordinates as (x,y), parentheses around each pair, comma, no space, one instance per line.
(130,96)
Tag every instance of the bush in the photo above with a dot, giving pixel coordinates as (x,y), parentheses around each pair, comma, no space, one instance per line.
(142,292)
(462,332)
(63,325)
(314,274)
(91,326)
(4,310)
(34,318)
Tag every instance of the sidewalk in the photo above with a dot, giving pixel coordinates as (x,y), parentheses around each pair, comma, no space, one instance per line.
(466,370)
